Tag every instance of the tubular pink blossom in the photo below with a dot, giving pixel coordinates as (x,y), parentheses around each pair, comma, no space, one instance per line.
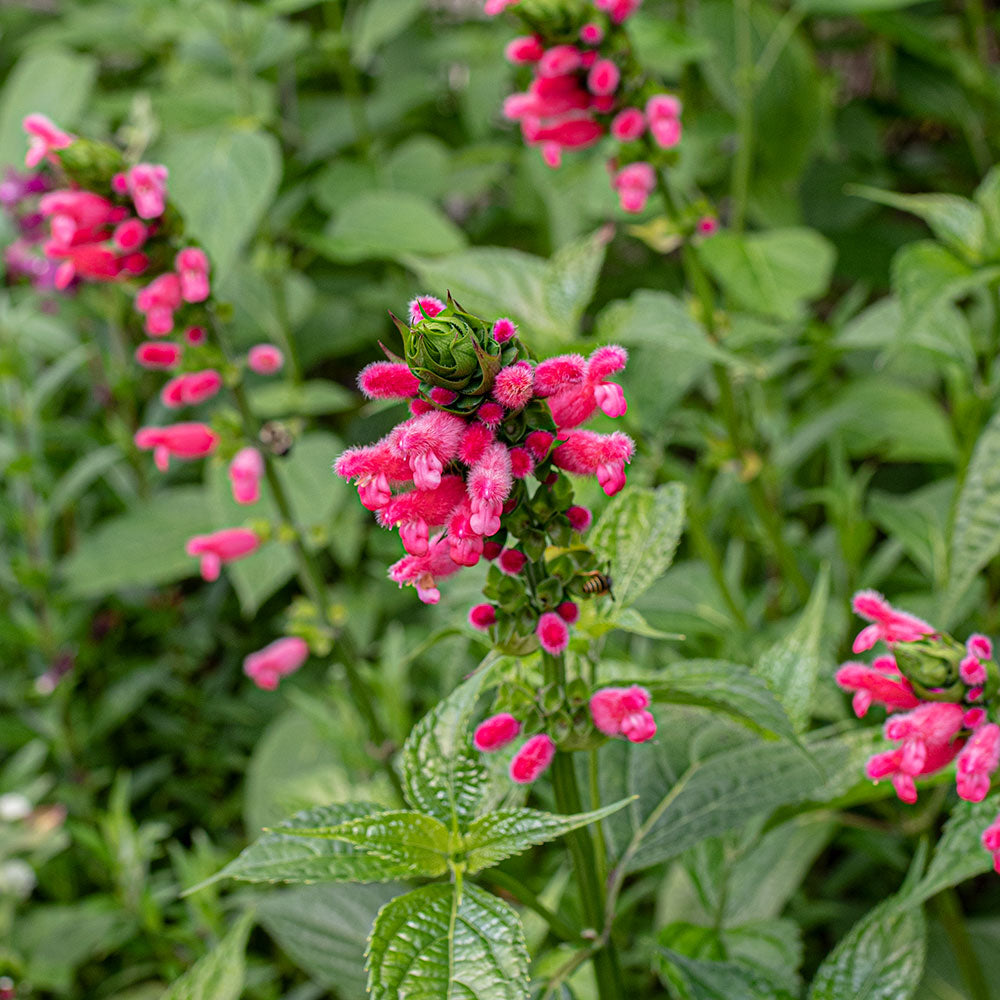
(503,330)
(192,271)
(157,301)
(424,306)
(265,359)
(574,131)
(374,468)
(388,380)
(465,545)
(44,139)
(418,510)
(514,386)
(585,453)
(628,125)
(560,60)
(245,473)
(577,402)
(979,758)
(580,518)
(634,185)
(423,572)
(556,374)
(497,731)
(191,388)
(186,440)
(904,764)
(872,685)
(532,760)
(482,617)
(552,633)
(888,624)
(622,712)
(221,547)
(158,355)
(147,185)
(428,442)
(489,485)
(267,666)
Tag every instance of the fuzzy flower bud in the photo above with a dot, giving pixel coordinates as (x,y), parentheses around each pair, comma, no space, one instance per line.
(192,270)
(482,617)
(532,760)
(424,307)
(580,518)
(634,185)
(191,389)
(265,359)
(511,561)
(552,633)
(496,732)
(387,380)
(514,387)
(162,356)
(489,485)
(628,125)
(245,473)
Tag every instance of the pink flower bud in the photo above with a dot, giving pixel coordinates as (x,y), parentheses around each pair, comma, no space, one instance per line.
(265,359)
(628,125)
(475,439)
(552,633)
(496,732)
(503,330)
(634,184)
(532,760)
(539,443)
(979,646)
(482,617)
(527,49)
(147,184)
(267,666)
(514,386)
(194,335)
(666,132)
(388,380)
(129,235)
(521,463)
(185,440)
(580,518)
(442,396)
(618,10)
(491,414)
(424,306)
(222,546)
(192,270)
(591,34)
(158,355)
(708,225)
(512,561)
(245,473)
(491,550)
(192,388)
(972,671)
(560,60)
(663,106)
(568,612)
(603,78)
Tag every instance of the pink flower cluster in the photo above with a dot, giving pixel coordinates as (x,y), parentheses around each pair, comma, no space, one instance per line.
(929,734)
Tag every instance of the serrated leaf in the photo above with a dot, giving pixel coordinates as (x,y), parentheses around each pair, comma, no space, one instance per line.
(638,535)
(499,835)
(725,687)
(282,855)
(882,958)
(433,944)
(791,665)
(219,975)
(399,836)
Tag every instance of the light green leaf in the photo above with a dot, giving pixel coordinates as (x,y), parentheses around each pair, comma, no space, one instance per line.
(774,272)
(638,535)
(882,958)
(499,835)
(288,399)
(791,665)
(987,197)
(219,975)
(80,476)
(222,182)
(919,522)
(52,81)
(570,278)
(435,945)
(377,22)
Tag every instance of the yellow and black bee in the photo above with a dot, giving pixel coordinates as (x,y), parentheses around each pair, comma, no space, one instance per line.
(597,584)
(276,438)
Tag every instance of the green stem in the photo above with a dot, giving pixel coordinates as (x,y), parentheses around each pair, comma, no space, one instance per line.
(949,912)
(742,164)
(277,283)
(527,897)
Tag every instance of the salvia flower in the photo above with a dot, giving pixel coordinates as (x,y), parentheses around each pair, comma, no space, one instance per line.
(44,139)
(533,759)
(623,712)
(496,732)
(245,473)
(146,183)
(265,359)
(888,625)
(222,547)
(553,633)
(191,388)
(185,440)
(284,656)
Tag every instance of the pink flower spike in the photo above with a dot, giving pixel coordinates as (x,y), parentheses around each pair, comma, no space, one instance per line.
(591,34)
(265,359)
(388,380)
(979,646)
(245,473)
(503,330)
(482,617)
(489,485)
(276,660)
(514,386)
(628,125)
(552,633)
(158,355)
(532,760)
(511,561)
(555,374)
(888,624)
(585,453)
(527,49)
(580,518)
(147,185)
(220,547)
(45,139)
(192,270)
(979,758)
(424,307)
(496,732)
(603,78)
(622,712)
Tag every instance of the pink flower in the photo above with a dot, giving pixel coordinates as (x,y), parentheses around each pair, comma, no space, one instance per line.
(44,139)
(491,550)
(154,355)
(465,544)
(888,624)
(622,712)
(493,7)
(388,380)
(979,758)
(511,561)
(539,443)
(874,685)
(265,359)
(188,440)
(568,612)
(532,760)
(416,511)
(708,225)
(191,388)
(87,260)
(603,78)
(192,270)
(129,235)
(991,841)
(424,571)
(374,468)
(158,301)
(428,442)
(489,485)
(972,671)
(267,666)
(634,185)
(663,113)
(424,306)
(496,732)
(591,34)
(245,473)
(618,10)
(904,764)
(527,49)
(482,617)
(490,414)
(577,397)
(560,60)
(147,185)
(586,453)
(579,518)
(552,633)
(194,335)
(521,463)
(574,131)
(979,646)
(628,125)
(222,546)
(442,396)
(475,440)
(514,386)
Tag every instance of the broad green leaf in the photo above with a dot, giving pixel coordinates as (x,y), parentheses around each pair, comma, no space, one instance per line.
(598,620)
(324,928)
(570,278)
(919,522)
(400,837)
(975,537)
(389,225)
(52,81)
(700,979)
(443,774)
(143,547)
(499,835)
(882,958)
(306,399)
(987,197)
(433,944)
(379,21)
(638,535)
(219,975)
(283,855)
(725,687)
(773,273)
(791,665)
(222,182)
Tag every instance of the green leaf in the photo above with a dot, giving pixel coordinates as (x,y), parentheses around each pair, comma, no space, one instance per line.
(379,21)
(638,535)
(388,225)
(143,547)
(724,687)
(433,944)
(499,835)
(443,774)
(285,855)
(842,7)
(791,665)
(311,399)
(219,975)
(919,522)
(400,837)
(882,958)
(222,182)
(774,272)
(698,979)
(987,197)
(571,277)
(52,81)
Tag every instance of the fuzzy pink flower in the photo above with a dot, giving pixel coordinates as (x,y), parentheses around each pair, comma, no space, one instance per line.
(493,7)
(265,359)
(158,355)
(580,518)
(192,270)
(979,758)
(881,683)
(574,131)
(533,759)
(423,572)
(491,414)
(511,561)
(267,666)
(888,624)
(591,34)
(77,216)
(504,329)
(489,485)
(514,386)
(482,617)
(539,443)
(465,544)
(521,463)
(979,646)
(496,732)
(568,612)
(442,396)
(129,235)
(388,380)
(603,78)
(427,443)
(187,440)
(475,440)
(576,402)
(622,712)
(903,764)
(44,139)
(146,183)
(634,185)
(158,301)
(972,671)
(555,375)
(221,547)
(416,511)
(424,306)
(991,841)
(191,388)
(245,473)
(628,125)
(618,10)
(585,453)
(527,49)
(552,633)
(374,468)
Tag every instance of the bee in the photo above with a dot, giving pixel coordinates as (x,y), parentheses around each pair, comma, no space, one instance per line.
(276,438)
(596,584)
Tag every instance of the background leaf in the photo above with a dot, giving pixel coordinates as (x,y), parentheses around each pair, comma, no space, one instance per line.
(219,975)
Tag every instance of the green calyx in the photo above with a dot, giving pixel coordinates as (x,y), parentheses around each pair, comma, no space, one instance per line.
(932,667)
